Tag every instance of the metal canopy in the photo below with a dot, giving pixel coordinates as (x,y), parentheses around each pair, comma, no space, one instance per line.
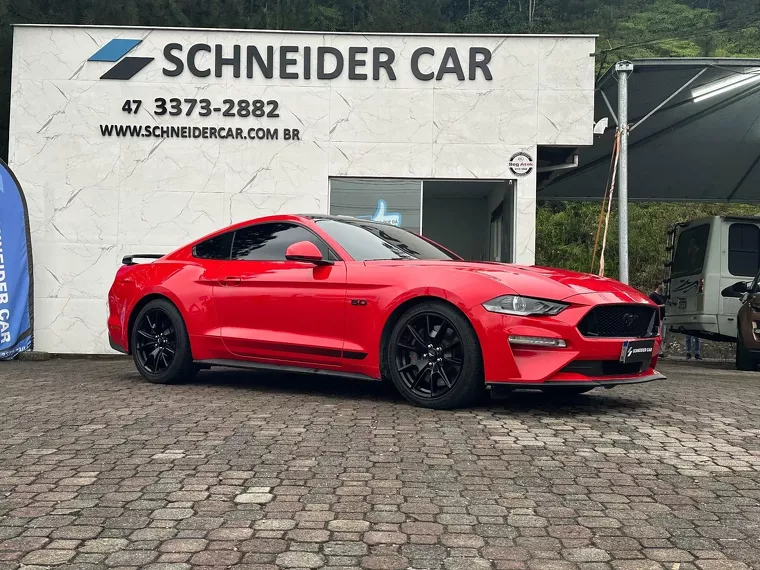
(703,144)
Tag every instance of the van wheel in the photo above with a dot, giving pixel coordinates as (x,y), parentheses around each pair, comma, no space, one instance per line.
(743,359)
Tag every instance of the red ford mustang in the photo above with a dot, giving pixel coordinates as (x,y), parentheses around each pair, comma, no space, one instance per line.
(338,295)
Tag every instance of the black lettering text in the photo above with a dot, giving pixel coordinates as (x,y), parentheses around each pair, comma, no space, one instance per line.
(191,65)
(455,67)
(307,62)
(285,61)
(171,58)
(416,63)
(221,61)
(481,64)
(354,62)
(385,63)
(266,68)
(321,53)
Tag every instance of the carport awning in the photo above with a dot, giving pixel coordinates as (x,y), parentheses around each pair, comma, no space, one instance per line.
(703,145)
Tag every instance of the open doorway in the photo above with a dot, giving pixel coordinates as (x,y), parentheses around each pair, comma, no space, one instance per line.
(474,219)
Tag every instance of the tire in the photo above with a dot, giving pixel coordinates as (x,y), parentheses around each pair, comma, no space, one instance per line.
(566,391)
(744,361)
(433,357)
(152,345)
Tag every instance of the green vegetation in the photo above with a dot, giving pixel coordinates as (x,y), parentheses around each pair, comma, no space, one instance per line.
(565,236)
(626,28)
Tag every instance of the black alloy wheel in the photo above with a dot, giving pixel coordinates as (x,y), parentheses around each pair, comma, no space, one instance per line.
(160,344)
(156,344)
(433,357)
(429,356)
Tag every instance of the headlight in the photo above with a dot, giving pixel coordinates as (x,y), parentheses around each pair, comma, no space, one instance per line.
(523,306)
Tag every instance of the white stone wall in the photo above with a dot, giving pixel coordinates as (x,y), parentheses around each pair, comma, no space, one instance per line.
(93,199)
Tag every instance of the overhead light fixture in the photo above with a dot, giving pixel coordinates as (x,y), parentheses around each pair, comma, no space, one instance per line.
(733,81)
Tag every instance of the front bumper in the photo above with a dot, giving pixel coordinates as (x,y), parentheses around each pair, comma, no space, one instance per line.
(513,365)
(596,383)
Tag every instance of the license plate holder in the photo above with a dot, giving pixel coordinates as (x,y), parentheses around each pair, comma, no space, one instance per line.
(637,351)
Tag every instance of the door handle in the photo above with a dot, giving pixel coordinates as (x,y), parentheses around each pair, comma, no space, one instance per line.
(229,281)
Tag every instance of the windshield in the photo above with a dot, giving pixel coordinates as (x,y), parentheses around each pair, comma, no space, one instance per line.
(689,257)
(368,241)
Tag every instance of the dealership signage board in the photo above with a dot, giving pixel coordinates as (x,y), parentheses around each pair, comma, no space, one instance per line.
(131,137)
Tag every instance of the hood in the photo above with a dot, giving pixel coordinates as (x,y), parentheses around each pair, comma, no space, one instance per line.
(561,284)
(545,282)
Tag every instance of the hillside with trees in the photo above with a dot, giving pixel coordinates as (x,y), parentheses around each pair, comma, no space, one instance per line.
(626,28)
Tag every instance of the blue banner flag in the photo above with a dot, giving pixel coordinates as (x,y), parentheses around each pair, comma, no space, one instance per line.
(16,282)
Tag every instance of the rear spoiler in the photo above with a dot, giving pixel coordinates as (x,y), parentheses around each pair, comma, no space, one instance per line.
(129,259)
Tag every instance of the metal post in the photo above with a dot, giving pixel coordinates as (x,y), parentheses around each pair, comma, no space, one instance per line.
(624,69)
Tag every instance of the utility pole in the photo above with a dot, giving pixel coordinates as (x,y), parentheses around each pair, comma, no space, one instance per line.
(623,69)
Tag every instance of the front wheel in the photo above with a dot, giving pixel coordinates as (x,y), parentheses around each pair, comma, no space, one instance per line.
(160,345)
(744,361)
(433,357)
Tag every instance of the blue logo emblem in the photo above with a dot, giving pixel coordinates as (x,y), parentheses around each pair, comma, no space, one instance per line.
(114,51)
(382,215)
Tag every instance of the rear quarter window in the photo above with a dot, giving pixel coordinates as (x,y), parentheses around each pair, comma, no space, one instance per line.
(218,247)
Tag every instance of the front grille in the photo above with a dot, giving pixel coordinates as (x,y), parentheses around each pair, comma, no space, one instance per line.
(603,368)
(622,321)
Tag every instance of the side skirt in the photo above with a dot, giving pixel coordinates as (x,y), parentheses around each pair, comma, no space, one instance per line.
(281,368)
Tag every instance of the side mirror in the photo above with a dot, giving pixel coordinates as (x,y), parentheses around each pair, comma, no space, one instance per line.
(307,252)
(738,290)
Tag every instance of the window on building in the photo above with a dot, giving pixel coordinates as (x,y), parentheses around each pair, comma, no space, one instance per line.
(215,248)
(268,242)
(743,249)
(390,201)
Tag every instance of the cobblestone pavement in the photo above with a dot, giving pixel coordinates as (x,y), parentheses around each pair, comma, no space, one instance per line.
(99,469)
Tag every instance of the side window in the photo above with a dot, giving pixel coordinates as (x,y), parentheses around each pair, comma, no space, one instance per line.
(215,248)
(268,242)
(743,249)
(689,258)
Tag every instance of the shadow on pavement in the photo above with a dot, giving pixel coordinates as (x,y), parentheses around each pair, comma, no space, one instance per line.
(597,401)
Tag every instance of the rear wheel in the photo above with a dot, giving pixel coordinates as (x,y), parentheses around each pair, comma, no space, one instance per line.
(433,357)
(744,360)
(160,345)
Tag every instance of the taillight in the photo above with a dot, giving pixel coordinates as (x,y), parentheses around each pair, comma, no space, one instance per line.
(701,286)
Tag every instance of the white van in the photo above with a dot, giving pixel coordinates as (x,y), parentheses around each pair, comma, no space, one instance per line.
(707,256)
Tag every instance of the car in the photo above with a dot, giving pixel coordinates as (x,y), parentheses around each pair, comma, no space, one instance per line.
(339,295)
(747,322)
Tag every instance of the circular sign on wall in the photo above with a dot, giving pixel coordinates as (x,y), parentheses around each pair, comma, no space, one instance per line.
(521,164)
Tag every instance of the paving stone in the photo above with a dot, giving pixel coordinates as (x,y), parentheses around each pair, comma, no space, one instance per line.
(131,558)
(254,498)
(48,557)
(348,525)
(183,545)
(384,563)
(300,560)
(104,545)
(585,555)
(279,473)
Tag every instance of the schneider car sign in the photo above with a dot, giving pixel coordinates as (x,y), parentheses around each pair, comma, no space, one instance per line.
(289,62)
